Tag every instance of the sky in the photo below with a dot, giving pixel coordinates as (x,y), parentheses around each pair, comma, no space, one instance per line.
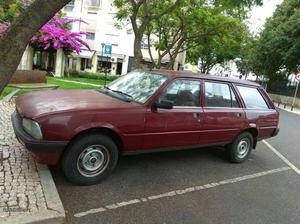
(259,14)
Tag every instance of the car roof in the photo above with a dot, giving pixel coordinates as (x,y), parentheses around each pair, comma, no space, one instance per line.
(185,74)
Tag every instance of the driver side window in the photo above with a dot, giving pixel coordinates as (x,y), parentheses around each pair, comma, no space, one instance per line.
(184,93)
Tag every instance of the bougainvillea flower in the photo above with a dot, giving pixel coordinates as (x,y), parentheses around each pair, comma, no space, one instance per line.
(55,35)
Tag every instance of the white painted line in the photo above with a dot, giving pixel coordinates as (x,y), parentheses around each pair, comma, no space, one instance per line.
(281,157)
(180,192)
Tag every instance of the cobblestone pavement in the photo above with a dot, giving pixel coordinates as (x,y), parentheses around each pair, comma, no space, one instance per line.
(21,192)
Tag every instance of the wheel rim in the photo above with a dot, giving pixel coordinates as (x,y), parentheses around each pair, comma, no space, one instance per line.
(243,148)
(93,160)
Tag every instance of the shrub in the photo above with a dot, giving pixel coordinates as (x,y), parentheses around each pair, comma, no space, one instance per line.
(91,75)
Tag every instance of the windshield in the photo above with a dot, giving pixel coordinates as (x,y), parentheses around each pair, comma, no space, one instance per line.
(140,86)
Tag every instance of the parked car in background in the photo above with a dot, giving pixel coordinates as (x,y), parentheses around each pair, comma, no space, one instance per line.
(143,111)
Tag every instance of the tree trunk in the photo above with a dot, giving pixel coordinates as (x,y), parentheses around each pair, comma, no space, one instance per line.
(138,56)
(14,42)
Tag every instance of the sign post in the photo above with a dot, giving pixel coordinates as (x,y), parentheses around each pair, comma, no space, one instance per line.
(297,87)
(106,52)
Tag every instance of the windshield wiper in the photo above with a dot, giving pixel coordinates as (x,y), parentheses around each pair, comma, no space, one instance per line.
(122,93)
(119,92)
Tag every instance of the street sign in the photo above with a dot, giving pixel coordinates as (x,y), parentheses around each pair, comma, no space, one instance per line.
(298,68)
(298,77)
(107,50)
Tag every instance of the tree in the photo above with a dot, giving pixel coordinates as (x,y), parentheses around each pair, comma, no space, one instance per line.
(140,13)
(15,40)
(199,28)
(277,50)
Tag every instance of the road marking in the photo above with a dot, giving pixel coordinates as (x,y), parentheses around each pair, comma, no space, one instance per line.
(281,157)
(180,192)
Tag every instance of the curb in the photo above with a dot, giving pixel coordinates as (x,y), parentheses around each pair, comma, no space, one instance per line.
(288,109)
(55,213)
(77,82)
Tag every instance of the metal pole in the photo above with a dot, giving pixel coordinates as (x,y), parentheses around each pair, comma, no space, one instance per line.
(102,61)
(81,6)
(296,91)
(106,67)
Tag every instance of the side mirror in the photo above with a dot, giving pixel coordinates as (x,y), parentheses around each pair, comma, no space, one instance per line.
(163,104)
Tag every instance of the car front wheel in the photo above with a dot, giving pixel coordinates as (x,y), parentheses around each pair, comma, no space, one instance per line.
(89,159)
(239,150)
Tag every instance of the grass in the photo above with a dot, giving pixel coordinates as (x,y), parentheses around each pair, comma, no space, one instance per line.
(62,85)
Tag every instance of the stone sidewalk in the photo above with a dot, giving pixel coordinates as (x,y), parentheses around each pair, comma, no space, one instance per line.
(27,190)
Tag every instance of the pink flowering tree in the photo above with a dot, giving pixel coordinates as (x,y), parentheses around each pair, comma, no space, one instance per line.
(52,36)
(56,35)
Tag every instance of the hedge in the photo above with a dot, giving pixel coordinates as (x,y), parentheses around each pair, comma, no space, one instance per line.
(91,75)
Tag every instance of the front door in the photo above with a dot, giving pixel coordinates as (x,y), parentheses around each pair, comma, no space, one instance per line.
(179,126)
(223,115)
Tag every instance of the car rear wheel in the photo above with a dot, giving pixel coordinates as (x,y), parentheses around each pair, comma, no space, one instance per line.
(89,159)
(239,150)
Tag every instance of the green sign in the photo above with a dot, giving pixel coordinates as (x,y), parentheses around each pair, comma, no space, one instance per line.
(107,49)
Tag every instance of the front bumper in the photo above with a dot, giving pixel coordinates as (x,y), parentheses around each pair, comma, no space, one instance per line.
(46,152)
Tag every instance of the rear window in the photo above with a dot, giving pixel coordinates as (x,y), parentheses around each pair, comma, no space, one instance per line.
(252,98)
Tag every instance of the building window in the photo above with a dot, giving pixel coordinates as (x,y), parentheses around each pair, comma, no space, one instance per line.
(70,6)
(144,44)
(93,3)
(91,36)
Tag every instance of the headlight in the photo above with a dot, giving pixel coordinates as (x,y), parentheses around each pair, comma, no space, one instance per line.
(32,128)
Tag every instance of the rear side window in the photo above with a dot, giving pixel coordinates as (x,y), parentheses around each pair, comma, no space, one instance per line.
(252,98)
(219,95)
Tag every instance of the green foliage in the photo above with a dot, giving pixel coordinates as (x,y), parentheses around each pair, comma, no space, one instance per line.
(236,8)
(277,50)
(91,75)
(219,36)
(10,8)
(247,61)
(220,47)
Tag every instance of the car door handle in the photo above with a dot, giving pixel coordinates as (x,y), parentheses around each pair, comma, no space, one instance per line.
(197,116)
(238,114)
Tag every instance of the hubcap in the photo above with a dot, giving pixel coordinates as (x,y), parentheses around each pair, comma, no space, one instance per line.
(93,160)
(243,148)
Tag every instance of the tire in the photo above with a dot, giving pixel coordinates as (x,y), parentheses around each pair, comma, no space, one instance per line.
(239,150)
(90,159)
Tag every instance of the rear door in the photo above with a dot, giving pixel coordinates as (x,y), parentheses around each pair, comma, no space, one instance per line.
(223,114)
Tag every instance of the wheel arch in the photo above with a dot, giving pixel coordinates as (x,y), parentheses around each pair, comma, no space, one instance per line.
(254,132)
(100,130)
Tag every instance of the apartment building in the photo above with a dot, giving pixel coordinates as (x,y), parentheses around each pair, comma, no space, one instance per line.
(100,23)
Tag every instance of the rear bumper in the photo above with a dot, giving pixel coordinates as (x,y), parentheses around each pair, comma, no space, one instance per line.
(276,132)
(46,152)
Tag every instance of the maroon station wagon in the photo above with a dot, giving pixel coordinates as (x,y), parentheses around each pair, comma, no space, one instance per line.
(143,111)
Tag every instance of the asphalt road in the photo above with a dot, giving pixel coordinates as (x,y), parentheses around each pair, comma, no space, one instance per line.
(195,186)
